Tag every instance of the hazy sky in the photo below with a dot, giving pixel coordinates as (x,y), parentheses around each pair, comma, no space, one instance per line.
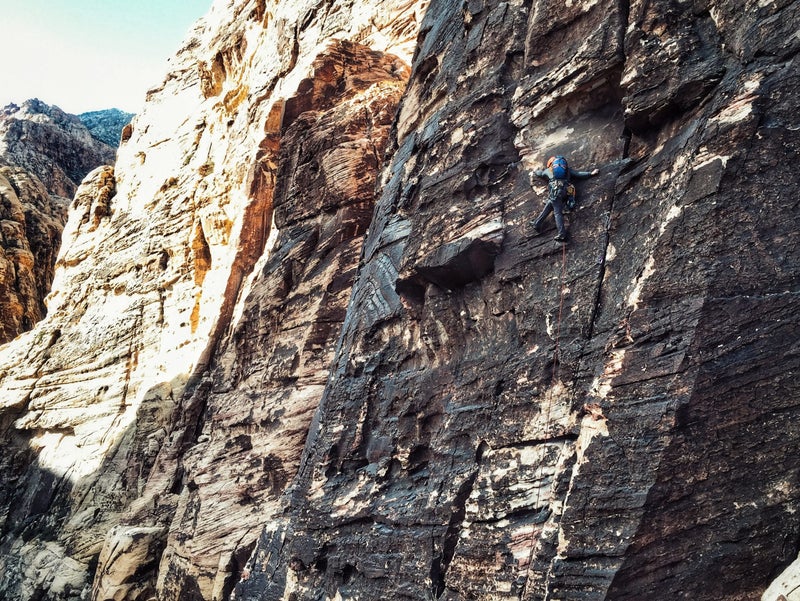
(85,55)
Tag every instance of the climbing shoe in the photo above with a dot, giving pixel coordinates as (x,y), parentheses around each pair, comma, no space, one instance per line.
(560,238)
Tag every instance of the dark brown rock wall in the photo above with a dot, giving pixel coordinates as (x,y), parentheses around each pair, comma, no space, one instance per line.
(510,419)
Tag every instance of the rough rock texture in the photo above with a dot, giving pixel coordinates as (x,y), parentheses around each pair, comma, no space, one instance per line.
(252,409)
(197,303)
(609,421)
(44,154)
(106,125)
(493,415)
(31,221)
(53,145)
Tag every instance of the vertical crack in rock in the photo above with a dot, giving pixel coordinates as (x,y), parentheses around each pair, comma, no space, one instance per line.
(348,391)
(441,561)
(602,259)
(623,8)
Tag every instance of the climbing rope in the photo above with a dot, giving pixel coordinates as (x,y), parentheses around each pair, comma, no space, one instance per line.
(556,360)
(557,348)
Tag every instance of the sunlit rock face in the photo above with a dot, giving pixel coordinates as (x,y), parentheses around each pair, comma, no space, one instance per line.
(248,418)
(304,342)
(199,292)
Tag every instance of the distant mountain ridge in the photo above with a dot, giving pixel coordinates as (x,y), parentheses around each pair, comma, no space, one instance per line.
(106,125)
(54,145)
(44,154)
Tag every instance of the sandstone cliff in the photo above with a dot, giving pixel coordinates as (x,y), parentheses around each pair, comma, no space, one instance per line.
(221,247)
(44,154)
(252,383)
(31,221)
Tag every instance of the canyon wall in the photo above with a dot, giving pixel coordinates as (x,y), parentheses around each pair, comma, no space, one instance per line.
(207,274)
(304,342)
(31,221)
(44,155)
(508,418)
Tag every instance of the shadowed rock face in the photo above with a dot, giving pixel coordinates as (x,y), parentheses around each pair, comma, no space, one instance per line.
(30,234)
(44,154)
(255,384)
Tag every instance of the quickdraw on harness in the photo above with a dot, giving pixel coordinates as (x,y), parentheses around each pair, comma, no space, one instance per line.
(561,190)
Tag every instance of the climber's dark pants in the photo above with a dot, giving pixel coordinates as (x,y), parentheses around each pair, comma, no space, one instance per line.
(558,194)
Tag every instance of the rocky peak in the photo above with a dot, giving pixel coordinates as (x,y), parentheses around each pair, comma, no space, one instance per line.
(106,125)
(53,145)
(304,342)
(44,154)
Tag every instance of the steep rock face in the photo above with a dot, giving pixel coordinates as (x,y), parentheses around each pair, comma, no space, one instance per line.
(30,233)
(504,418)
(610,420)
(117,409)
(53,145)
(253,408)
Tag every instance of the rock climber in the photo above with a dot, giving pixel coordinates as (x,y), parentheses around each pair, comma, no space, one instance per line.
(558,174)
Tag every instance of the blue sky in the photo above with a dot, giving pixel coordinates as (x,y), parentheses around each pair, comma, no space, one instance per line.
(85,55)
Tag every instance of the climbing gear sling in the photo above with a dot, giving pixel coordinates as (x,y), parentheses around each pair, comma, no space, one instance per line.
(572,200)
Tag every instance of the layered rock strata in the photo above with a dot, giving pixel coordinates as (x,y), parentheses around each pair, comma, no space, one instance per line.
(252,409)
(491,415)
(31,221)
(44,154)
(508,418)
(199,292)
